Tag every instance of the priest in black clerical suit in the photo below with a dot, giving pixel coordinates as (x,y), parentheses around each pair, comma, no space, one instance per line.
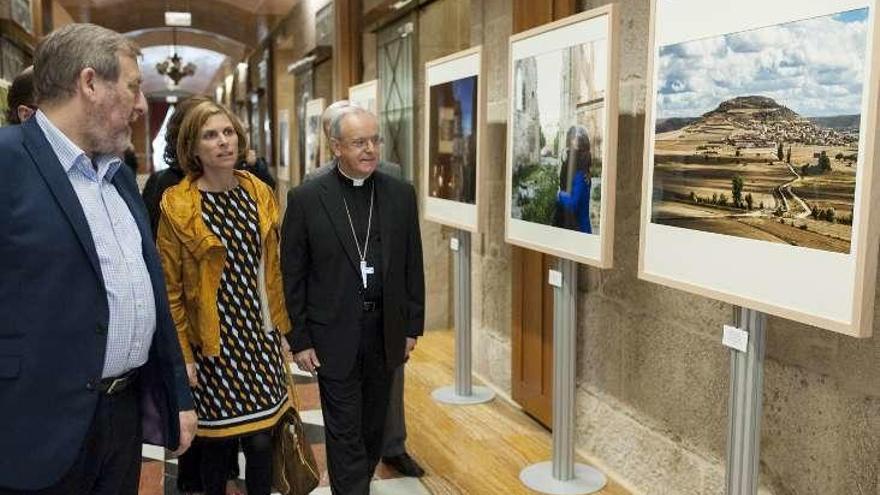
(354,285)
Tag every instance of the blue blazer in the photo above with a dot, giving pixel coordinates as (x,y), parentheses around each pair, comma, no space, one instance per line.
(54,318)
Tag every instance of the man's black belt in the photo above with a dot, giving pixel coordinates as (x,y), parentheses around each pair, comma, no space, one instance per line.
(372,306)
(115,385)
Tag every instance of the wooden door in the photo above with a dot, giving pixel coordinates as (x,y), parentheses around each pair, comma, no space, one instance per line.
(532,332)
(532,337)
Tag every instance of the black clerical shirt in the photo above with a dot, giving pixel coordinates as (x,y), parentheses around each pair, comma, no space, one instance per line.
(358,201)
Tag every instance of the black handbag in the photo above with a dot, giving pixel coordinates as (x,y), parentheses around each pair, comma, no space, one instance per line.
(294,470)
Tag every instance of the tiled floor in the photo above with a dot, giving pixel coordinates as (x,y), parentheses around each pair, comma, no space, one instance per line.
(158,476)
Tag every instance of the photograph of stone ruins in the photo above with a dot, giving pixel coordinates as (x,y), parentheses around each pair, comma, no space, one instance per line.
(757,133)
(558,118)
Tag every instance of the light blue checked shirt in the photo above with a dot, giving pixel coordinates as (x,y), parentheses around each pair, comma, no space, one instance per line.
(118,243)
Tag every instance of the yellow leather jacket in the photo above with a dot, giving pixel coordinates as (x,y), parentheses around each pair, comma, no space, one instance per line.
(193,259)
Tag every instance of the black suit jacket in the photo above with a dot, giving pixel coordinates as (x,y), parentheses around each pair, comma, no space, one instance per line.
(54,318)
(322,281)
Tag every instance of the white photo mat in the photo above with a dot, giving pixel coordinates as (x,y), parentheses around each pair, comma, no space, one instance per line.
(827,289)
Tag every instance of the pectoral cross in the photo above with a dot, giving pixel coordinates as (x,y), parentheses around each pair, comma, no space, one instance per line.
(366,270)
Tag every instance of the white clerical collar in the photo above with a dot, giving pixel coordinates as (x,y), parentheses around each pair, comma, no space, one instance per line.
(354,182)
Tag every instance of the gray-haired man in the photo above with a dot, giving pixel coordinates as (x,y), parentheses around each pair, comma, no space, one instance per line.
(89,358)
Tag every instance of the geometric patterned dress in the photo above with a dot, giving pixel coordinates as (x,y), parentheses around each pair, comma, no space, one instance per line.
(244,389)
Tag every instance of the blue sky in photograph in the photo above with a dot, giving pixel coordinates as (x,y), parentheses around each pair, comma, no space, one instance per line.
(814,66)
(857,15)
(464,91)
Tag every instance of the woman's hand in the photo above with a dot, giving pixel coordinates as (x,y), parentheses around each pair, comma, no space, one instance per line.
(191,374)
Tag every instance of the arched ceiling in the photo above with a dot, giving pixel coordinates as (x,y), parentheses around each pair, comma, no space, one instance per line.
(222,33)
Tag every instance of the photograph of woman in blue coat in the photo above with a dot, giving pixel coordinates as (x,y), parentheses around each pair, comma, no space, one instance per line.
(573,198)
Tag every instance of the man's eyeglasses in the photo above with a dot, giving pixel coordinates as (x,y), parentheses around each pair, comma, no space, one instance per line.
(361,143)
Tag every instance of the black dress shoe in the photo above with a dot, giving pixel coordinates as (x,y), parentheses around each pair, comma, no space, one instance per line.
(405,465)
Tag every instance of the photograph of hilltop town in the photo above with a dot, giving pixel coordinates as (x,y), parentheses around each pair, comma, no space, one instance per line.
(558,119)
(757,132)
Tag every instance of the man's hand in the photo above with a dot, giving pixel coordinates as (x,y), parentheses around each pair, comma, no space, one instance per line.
(188,422)
(410,345)
(285,349)
(191,375)
(307,360)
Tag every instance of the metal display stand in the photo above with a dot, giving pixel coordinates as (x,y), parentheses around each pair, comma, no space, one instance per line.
(463,392)
(562,475)
(747,340)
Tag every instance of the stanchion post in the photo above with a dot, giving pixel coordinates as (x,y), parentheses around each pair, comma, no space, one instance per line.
(462,392)
(562,475)
(747,342)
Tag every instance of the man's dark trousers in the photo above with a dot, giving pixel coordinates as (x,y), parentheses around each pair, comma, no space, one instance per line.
(361,398)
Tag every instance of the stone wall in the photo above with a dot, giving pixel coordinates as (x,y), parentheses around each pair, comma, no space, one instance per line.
(491,26)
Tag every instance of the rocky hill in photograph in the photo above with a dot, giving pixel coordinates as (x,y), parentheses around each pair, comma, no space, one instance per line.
(761,122)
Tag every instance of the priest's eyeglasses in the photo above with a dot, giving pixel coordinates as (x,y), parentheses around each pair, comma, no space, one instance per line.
(361,143)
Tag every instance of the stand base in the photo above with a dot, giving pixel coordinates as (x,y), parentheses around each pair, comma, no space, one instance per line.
(539,477)
(447,395)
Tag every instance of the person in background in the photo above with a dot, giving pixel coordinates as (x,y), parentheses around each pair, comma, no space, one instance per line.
(257,166)
(20,100)
(218,240)
(90,364)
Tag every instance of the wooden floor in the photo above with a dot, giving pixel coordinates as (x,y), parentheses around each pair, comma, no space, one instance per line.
(472,450)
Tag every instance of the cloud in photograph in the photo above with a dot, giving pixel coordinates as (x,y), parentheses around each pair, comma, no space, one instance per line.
(814,66)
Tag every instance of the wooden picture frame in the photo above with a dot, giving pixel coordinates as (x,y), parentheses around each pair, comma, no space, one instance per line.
(562,137)
(366,96)
(454,114)
(780,244)
(315,151)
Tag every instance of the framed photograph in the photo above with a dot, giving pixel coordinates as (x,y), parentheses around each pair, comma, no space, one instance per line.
(315,155)
(366,95)
(759,141)
(453,120)
(562,138)
(284,145)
